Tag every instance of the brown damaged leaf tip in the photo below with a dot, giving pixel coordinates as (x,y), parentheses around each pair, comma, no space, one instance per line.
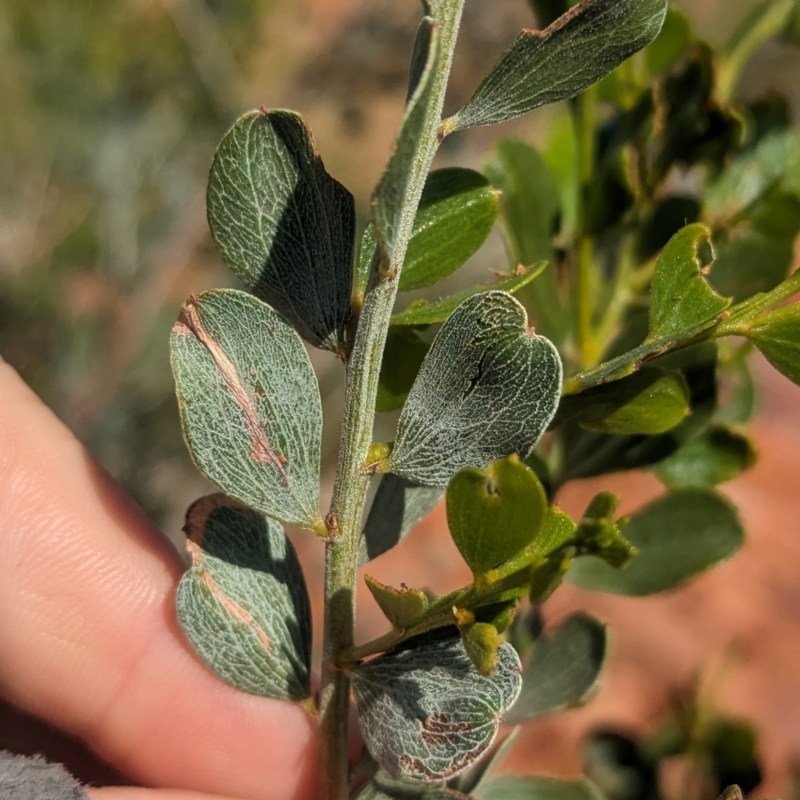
(261,451)
(234,610)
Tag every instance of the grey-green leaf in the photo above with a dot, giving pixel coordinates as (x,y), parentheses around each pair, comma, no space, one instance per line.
(564,669)
(515,787)
(426,713)
(424,312)
(399,504)
(487,388)
(558,63)
(681,300)
(249,404)
(390,196)
(282,224)
(677,537)
(243,603)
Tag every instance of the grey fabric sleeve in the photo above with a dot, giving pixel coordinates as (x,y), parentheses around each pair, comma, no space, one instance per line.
(33,778)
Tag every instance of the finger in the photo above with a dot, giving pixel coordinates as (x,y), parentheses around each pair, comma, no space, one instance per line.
(133,793)
(90,641)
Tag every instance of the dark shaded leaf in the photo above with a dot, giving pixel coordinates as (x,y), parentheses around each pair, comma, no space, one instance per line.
(530,204)
(618,766)
(680,297)
(249,404)
(243,603)
(426,713)
(558,63)
(399,504)
(717,455)
(487,388)
(282,224)
(564,669)
(677,537)
(495,513)
(402,357)
(668,217)
(650,401)
(733,747)
(752,263)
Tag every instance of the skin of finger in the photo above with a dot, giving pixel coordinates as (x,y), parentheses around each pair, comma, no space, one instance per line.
(90,639)
(134,793)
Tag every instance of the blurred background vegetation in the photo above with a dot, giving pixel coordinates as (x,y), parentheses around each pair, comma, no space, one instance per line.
(111,115)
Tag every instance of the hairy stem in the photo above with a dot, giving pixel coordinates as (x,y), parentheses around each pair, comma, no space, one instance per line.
(361,386)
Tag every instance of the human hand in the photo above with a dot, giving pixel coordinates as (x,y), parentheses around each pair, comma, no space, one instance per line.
(90,642)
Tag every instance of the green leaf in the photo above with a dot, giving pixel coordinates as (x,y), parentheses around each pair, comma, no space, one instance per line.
(400,606)
(426,713)
(515,787)
(558,63)
(456,213)
(243,603)
(487,388)
(399,504)
(558,528)
(677,537)
(390,195)
(282,224)
(717,455)
(383,787)
(495,513)
(650,401)
(423,312)
(249,404)
(564,669)
(530,204)
(402,357)
(680,297)
(777,336)
(670,44)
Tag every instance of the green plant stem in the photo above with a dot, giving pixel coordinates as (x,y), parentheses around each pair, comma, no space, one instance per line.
(361,386)
(585,119)
(742,315)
